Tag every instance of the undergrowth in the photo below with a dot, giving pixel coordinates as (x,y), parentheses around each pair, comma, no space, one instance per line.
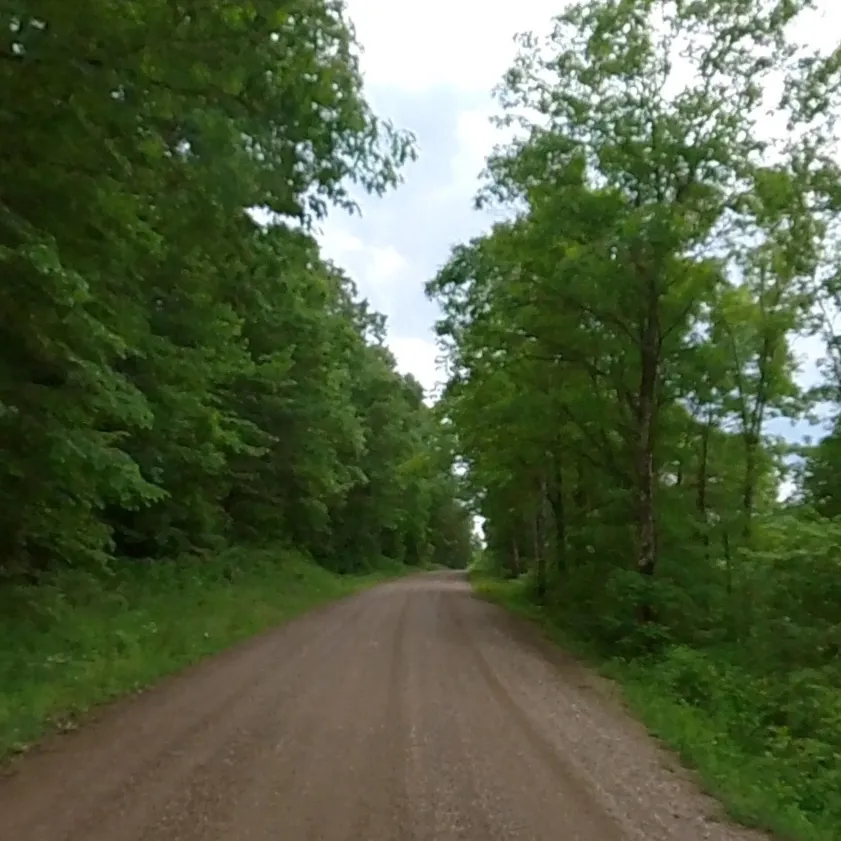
(767,744)
(80,639)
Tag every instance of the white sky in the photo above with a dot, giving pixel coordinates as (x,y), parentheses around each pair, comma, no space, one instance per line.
(464,45)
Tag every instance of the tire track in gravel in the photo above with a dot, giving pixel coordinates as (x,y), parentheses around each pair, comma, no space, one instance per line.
(163,743)
(390,742)
(412,712)
(247,794)
(548,799)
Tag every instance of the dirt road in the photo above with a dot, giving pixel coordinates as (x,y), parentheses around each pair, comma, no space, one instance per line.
(413,712)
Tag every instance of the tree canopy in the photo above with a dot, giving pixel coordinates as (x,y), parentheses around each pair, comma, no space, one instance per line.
(176,377)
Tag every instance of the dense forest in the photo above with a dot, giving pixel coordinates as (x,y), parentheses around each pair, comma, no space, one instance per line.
(177,379)
(174,375)
(624,351)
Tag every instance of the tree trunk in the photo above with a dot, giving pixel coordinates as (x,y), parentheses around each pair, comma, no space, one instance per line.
(580,495)
(539,537)
(701,499)
(646,526)
(539,557)
(556,500)
(749,485)
(646,421)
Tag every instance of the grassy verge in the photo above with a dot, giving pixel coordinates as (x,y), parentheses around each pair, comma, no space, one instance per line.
(81,640)
(765,789)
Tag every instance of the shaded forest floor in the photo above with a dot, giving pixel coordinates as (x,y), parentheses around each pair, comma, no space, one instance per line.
(80,639)
(769,782)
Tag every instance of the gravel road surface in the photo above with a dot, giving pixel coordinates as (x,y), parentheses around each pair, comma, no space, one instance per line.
(412,712)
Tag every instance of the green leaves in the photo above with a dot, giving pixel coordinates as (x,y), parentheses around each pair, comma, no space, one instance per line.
(174,376)
(630,334)
(619,351)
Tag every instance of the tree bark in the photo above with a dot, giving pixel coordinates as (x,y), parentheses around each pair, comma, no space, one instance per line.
(646,421)
(647,403)
(539,537)
(749,486)
(703,471)
(556,501)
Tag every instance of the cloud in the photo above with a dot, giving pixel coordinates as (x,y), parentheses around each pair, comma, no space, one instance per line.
(809,352)
(339,243)
(386,263)
(375,267)
(385,278)
(474,138)
(418,357)
(465,45)
(379,263)
(401,239)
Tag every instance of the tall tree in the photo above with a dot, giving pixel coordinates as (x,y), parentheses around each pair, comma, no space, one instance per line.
(176,376)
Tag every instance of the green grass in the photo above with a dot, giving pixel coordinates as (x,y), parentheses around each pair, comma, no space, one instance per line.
(81,640)
(758,788)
